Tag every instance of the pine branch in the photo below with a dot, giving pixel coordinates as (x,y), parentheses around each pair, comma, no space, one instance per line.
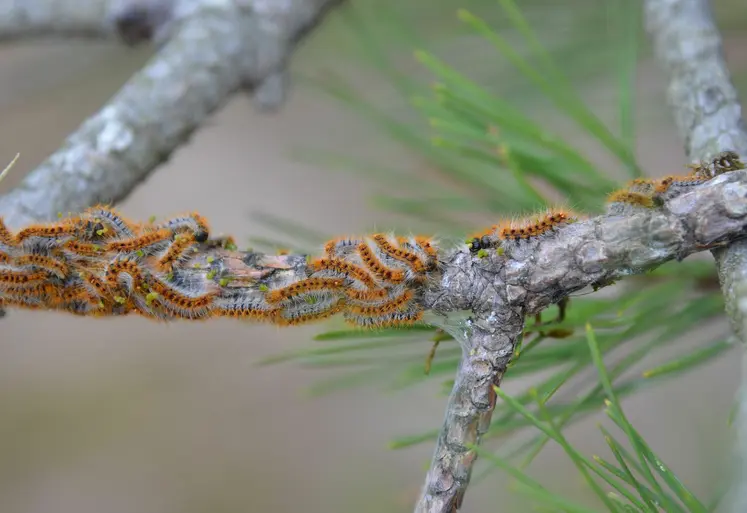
(210,50)
(502,290)
(709,119)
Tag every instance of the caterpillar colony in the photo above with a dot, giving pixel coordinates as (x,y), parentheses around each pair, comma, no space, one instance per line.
(98,263)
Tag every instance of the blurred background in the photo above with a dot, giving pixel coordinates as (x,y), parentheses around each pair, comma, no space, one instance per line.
(125,415)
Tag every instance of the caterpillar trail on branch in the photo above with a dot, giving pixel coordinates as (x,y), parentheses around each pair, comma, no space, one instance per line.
(101,264)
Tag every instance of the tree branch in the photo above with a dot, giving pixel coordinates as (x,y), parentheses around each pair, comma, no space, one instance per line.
(502,290)
(709,119)
(212,49)
(34,18)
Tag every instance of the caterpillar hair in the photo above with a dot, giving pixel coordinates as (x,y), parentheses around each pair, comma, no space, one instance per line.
(674,185)
(178,252)
(341,246)
(147,243)
(245,308)
(21,278)
(301,287)
(307,313)
(644,186)
(193,222)
(344,268)
(6,237)
(384,308)
(631,198)
(403,255)
(46,230)
(391,320)
(102,221)
(51,265)
(377,268)
(534,227)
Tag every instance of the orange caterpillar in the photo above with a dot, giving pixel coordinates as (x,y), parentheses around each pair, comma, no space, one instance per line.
(140,242)
(345,268)
(411,259)
(103,222)
(19,278)
(84,249)
(53,266)
(387,307)
(341,245)
(177,252)
(631,198)
(47,230)
(245,308)
(677,182)
(642,186)
(534,227)
(193,223)
(6,238)
(378,269)
(392,320)
(310,313)
(302,287)
(367,295)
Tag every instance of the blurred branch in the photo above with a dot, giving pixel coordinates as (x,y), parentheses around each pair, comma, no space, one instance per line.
(211,49)
(501,290)
(33,18)
(709,119)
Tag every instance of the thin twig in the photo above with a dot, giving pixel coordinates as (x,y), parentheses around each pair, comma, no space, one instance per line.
(708,117)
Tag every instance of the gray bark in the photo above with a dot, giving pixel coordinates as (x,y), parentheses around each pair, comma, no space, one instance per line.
(210,50)
(45,18)
(502,290)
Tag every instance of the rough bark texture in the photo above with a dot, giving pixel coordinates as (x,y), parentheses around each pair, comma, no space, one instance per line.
(502,290)
(709,119)
(212,49)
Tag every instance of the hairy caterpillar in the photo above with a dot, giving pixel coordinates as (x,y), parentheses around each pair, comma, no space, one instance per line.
(403,255)
(156,240)
(193,222)
(178,252)
(534,226)
(301,287)
(631,198)
(377,268)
